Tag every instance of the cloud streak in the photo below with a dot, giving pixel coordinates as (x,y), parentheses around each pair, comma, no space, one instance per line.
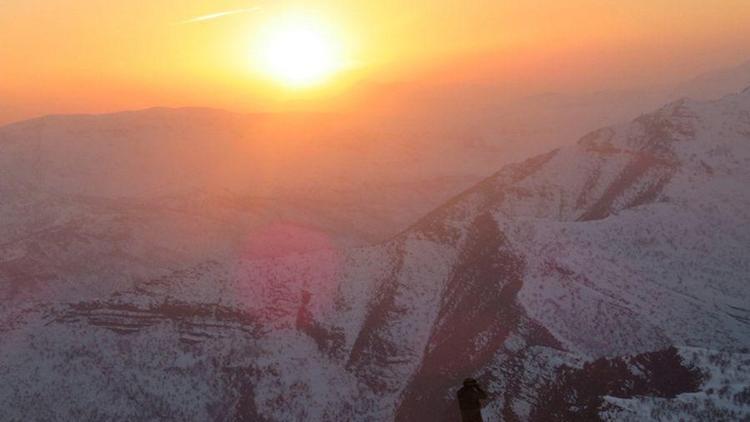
(218,15)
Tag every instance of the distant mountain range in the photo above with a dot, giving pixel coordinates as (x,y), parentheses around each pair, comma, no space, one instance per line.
(132,290)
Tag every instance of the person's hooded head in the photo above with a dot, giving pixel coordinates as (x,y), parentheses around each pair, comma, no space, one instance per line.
(469,382)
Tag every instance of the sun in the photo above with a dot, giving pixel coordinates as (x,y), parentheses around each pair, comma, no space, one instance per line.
(299,51)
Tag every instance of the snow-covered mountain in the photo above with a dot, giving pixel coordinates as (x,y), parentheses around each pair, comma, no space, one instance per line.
(585,263)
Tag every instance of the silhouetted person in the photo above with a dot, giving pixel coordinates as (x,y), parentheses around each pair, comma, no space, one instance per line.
(470,400)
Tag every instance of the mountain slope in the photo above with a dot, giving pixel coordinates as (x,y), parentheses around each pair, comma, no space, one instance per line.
(633,240)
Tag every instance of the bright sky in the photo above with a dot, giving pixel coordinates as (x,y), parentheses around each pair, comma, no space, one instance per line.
(95,55)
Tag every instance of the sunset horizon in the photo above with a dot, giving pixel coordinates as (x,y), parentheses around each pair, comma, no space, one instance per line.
(425,211)
(222,55)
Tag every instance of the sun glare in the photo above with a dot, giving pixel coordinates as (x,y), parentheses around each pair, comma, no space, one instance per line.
(299,52)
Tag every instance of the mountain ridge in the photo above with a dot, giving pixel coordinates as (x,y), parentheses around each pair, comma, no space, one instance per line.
(631,241)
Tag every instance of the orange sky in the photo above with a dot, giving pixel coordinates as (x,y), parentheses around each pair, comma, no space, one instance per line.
(93,55)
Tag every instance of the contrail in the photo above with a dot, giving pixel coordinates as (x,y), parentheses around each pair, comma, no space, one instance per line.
(218,15)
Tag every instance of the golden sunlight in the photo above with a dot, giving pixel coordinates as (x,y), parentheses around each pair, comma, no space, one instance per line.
(299,51)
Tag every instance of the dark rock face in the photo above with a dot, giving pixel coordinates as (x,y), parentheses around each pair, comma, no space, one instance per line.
(330,340)
(478,312)
(195,323)
(372,349)
(576,393)
(647,170)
